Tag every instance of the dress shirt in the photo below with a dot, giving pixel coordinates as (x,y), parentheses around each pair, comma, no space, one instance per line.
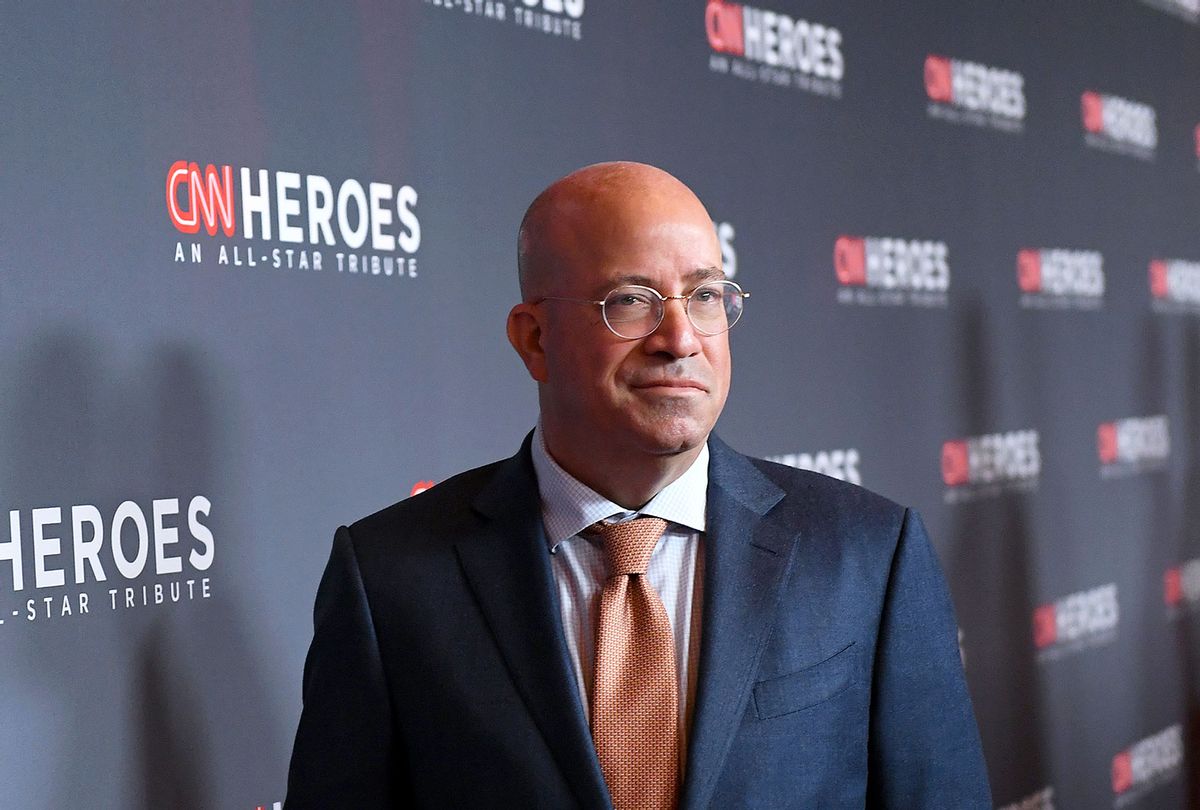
(676,569)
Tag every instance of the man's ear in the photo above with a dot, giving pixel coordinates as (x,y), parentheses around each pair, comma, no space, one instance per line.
(525,335)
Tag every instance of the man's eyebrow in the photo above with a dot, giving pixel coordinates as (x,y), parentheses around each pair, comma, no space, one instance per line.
(706,274)
(620,281)
(696,277)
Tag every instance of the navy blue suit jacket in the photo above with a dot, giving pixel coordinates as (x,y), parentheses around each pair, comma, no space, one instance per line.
(829,673)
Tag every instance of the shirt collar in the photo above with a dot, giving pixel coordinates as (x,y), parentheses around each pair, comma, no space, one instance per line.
(569,505)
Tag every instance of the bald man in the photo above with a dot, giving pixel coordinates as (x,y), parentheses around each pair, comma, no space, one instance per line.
(627,613)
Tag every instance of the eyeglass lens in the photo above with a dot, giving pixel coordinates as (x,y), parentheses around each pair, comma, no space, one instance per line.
(634,311)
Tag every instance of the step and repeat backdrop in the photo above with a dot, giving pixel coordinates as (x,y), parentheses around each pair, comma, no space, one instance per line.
(255,261)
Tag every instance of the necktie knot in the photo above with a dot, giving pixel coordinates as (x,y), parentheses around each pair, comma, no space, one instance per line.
(629,545)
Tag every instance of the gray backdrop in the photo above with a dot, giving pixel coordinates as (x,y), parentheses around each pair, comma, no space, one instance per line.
(225,418)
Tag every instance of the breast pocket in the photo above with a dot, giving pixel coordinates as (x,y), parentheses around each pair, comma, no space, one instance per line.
(806,687)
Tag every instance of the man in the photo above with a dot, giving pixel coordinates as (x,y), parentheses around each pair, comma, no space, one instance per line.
(627,612)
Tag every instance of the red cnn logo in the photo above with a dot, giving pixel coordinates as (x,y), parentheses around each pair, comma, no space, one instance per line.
(939,79)
(209,197)
(1091,104)
(956,463)
(1106,442)
(1029,270)
(1045,626)
(723,24)
(1122,772)
(1173,587)
(850,260)
(1158,279)
(420,487)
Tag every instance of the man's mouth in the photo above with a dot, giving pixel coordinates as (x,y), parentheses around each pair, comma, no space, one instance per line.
(679,385)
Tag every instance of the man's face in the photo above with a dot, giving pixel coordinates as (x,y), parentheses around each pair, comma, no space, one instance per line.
(660,394)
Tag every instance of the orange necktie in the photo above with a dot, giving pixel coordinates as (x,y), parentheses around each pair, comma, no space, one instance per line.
(635,690)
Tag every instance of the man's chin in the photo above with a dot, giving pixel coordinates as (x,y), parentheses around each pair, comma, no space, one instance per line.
(675,439)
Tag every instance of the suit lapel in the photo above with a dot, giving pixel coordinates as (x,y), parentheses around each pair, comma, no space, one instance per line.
(508,568)
(746,559)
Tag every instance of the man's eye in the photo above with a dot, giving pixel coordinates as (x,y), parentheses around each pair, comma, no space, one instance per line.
(632,300)
(706,296)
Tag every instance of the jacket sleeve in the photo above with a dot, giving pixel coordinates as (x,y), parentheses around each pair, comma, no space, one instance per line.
(923,747)
(345,753)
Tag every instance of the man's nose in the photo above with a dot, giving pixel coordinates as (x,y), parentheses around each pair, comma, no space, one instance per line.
(676,335)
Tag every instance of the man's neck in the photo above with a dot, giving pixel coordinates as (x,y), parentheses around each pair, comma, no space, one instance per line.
(627,481)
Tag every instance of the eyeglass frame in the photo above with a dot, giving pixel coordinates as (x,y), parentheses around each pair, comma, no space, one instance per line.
(687,299)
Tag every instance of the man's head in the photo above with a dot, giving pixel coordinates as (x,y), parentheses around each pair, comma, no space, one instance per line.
(603,396)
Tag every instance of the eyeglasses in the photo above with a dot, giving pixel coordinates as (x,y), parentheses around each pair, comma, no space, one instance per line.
(634,311)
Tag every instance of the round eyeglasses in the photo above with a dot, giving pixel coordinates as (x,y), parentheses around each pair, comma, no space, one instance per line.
(634,311)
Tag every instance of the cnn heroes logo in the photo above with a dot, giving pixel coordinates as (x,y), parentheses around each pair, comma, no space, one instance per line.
(990,465)
(1181,588)
(1175,285)
(170,541)
(1041,800)
(558,18)
(1056,278)
(1076,622)
(1148,763)
(886,271)
(774,48)
(1117,124)
(963,92)
(839,464)
(1133,445)
(1188,10)
(421,486)
(725,236)
(288,220)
